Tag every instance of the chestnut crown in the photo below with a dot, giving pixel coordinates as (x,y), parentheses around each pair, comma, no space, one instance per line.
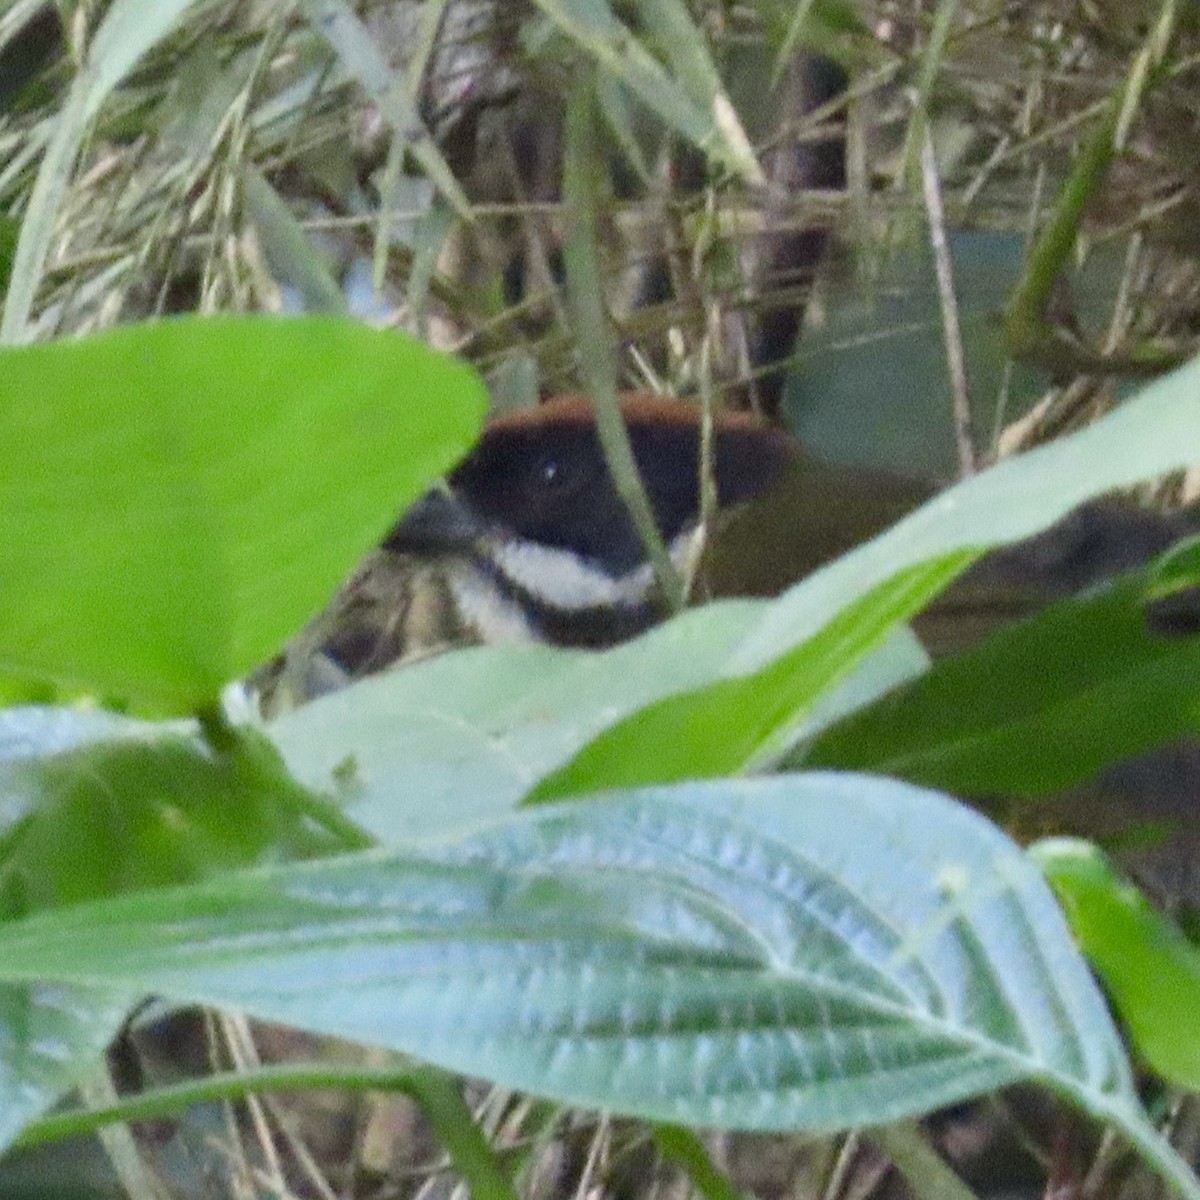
(539,476)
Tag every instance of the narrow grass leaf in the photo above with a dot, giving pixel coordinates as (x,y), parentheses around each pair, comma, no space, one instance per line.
(387,87)
(686,49)
(129,29)
(1036,708)
(290,256)
(593,26)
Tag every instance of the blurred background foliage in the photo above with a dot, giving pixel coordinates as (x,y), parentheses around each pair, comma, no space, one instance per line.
(404,161)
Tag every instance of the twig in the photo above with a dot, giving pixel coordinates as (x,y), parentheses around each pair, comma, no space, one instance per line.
(956,360)
(582,181)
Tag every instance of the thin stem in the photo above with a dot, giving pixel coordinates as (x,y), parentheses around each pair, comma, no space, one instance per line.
(931,65)
(685,1149)
(1024,320)
(434,1092)
(956,360)
(583,182)
(248,753)
(924,1169)
(1029,334)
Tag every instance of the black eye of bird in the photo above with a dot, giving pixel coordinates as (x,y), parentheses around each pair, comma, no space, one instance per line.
(554,475)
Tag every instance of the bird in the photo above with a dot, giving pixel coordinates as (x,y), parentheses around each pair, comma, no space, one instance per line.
(530,540)
(537,515)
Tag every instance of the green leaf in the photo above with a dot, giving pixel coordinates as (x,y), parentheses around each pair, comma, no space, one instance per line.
(178,497)
(847,606)
(735,723)
(289,254)
(830,27)
(131,814)
(42,731)
(800,952)
(1150,971)
(684,45)
(585,181)
(1037,707)
(53,1036)
(93,805)
(872,386)
(492,721)
(460,738)
(10,228)
(389,91)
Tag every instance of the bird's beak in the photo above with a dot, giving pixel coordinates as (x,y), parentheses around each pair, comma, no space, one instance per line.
(438,522)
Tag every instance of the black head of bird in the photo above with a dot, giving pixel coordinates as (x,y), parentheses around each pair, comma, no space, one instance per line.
(531,540)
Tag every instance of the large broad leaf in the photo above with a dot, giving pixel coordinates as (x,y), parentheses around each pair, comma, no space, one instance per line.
(138,813)
(802,952)
(51,1037)
(178,497)
(463,737)
(872,386)
(1039,707)
(91,802)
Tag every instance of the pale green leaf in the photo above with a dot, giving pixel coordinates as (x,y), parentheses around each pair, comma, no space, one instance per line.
(807,952)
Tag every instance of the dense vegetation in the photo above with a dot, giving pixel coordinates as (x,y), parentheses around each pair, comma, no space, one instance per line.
(607,881)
